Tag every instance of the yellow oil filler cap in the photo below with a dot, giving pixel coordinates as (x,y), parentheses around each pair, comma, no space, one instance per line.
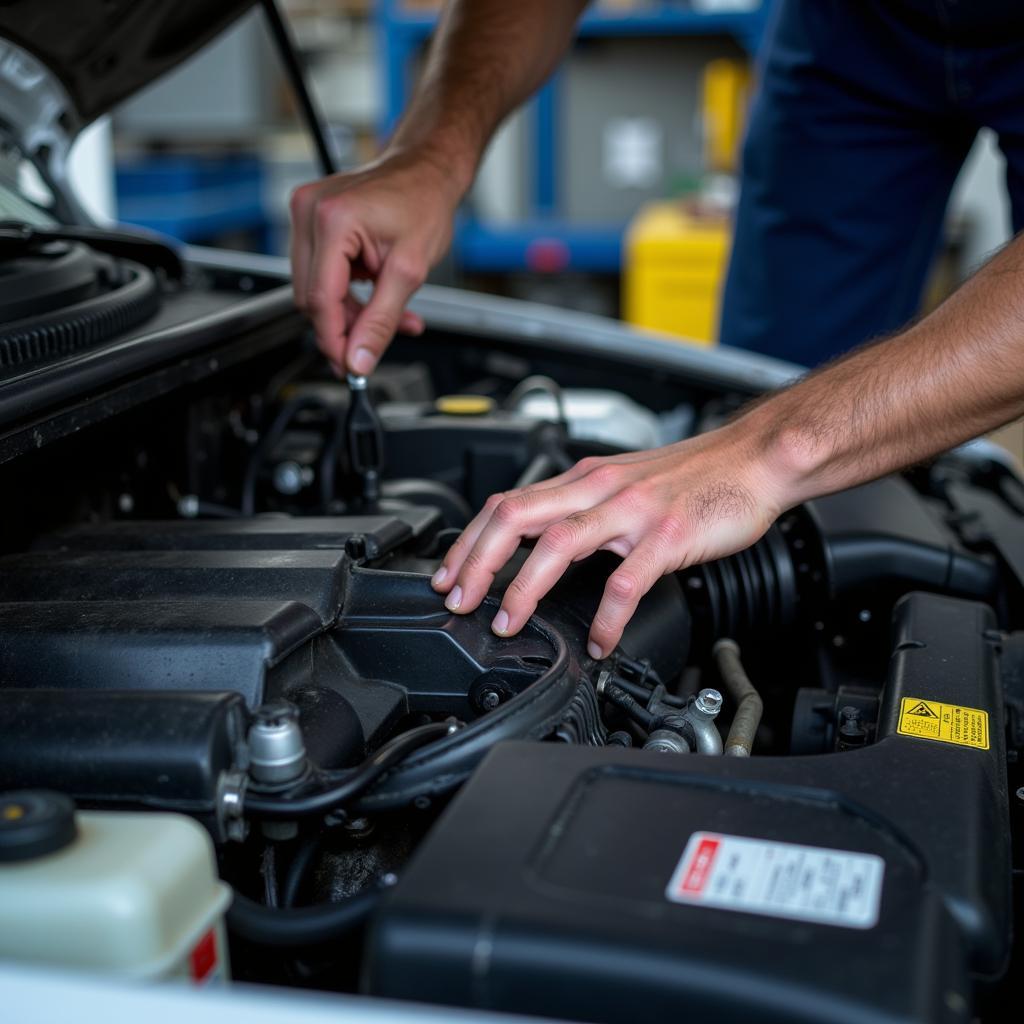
(464,405)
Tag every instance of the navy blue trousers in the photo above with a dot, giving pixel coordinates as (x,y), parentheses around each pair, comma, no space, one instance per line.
(863,116)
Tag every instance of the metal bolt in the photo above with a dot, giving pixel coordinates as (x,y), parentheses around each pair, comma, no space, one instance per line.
(125,503)
(864,615)
(490,699)
(355,382)
(1020,794)
(277,754)
(849,719)
(288,477)
(709,702)
(188,506)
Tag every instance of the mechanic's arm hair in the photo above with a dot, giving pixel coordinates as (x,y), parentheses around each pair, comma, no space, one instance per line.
(390,221)
(486,58)
(956,374)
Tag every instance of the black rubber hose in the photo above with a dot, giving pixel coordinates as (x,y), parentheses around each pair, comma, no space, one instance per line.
(349,786)
(297,871)
(615,694)
(644,694)
(540,382)
(299,926)
(329,458)
(749,706)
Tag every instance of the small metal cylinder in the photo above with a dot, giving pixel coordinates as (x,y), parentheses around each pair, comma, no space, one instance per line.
(277,753)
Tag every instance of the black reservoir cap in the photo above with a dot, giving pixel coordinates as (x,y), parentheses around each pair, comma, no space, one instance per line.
(34,822)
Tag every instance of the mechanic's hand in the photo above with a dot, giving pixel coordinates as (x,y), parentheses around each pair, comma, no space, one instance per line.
(389,222)
(661,510)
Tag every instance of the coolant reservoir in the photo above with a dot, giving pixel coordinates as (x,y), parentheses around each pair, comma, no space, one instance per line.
(132,894)
(597,415)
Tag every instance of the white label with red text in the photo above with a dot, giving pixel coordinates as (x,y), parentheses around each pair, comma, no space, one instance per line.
(760,876)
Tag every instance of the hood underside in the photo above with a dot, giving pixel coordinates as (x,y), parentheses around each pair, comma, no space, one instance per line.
(102,51)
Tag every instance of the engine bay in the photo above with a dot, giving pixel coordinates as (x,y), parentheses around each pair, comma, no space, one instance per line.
(206,609)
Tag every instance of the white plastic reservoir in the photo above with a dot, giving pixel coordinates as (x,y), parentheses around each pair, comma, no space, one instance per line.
(597,415)
(132,894)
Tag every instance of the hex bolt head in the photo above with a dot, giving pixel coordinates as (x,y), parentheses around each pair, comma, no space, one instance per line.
(709,702)
(490,699)
(288,477)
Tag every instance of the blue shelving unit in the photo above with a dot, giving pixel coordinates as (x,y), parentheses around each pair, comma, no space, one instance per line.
(545,241)
(192,199)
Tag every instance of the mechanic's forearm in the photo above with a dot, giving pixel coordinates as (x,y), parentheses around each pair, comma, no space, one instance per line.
(954,375)
(486,58)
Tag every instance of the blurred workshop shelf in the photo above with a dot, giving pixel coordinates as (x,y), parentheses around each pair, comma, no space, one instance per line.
(546,241)
(542,245)
(192,199)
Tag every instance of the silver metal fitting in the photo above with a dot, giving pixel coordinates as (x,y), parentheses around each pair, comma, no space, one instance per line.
(356,383)
(188,506)
(277,754)
(230,801)
(701,715)
(667,741)
(288,477)
(708,702)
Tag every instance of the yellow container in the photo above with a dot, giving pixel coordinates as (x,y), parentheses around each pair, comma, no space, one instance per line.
(673,270)
(724,96)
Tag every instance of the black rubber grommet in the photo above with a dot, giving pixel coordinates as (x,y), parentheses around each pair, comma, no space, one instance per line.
(34,822)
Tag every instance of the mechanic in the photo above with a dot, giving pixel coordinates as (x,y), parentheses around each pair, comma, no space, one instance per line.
(954,375)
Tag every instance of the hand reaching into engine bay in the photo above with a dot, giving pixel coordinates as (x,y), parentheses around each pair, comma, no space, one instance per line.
(953,376)
(391,221)
(660,510)
(388,223)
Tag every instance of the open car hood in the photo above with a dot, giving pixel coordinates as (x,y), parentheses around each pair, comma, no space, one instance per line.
(64,65)
(102,51)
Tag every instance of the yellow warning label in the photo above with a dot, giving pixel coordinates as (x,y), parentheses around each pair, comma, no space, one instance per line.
(948,723)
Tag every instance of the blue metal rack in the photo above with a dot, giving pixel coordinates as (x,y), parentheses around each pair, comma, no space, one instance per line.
(193,199)
(545,241)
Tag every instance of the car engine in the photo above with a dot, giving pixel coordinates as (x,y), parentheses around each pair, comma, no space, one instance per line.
(215,600)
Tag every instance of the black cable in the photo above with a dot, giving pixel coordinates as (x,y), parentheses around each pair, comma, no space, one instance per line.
(293,69)
(614,694)
(268,869)
(299,926)
(644,694)
(265,445)
(540,382)
(350,784)
(329,458)
(297,871)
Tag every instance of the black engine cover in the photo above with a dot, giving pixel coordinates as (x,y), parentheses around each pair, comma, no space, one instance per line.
(543,889)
